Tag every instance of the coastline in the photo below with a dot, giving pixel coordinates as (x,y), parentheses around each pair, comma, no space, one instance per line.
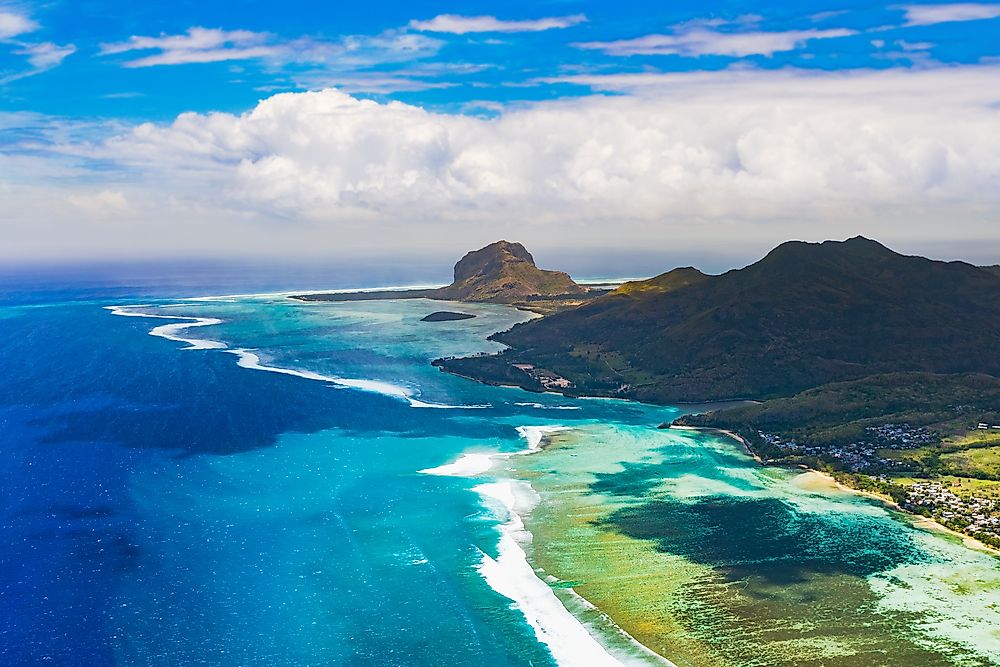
(601,568)
(920,521)
(735,436)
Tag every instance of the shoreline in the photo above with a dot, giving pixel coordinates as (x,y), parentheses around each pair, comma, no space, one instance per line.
(919,520)
(735,436)
(716,405)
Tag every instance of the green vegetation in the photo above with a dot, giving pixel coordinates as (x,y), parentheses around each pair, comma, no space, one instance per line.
(804,316)
(983,462)
(838,413)
(870,365)
(911,438)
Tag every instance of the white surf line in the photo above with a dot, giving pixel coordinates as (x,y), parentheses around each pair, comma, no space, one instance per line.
(247,359)
(511,575)
(542,406)
(534,435)
(171,331)
(467,465)
(471,464)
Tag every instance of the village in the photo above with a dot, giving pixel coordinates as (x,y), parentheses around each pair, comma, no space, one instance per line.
(978,517)
(862,455)
(549,380)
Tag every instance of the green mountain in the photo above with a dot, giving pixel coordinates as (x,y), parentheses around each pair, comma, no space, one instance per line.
(504,272)
(839,412)
(804,315)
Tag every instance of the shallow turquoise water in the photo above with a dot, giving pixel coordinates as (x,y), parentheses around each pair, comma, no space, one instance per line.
(170,506)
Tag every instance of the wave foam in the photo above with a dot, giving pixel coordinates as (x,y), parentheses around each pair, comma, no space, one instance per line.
(534,435)
(542,406)
(471,464)
(247,359)
(467,465)
(172,331)
(511,575)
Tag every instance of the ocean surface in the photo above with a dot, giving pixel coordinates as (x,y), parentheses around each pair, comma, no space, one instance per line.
(263,481)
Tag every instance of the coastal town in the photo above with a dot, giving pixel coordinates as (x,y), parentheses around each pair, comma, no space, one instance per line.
(861,455)
(975,516)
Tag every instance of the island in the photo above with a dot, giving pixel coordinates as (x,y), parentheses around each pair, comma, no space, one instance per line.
(446,316)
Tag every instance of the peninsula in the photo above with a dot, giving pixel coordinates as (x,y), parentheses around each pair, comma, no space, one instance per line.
(502,272)
(877,367)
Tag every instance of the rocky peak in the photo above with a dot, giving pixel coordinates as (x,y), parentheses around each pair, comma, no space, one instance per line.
(505,272)
(491,259)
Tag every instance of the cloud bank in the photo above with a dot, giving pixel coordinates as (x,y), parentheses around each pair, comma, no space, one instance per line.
(681,159)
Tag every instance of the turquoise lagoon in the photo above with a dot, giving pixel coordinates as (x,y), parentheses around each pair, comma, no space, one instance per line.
(265,481)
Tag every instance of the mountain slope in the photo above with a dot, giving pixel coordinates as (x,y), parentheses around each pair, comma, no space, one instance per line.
(804,315)
(504,272)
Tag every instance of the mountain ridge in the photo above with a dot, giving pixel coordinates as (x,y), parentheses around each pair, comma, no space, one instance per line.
(804,315)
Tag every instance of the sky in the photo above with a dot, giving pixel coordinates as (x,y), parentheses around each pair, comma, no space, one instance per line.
(242,129)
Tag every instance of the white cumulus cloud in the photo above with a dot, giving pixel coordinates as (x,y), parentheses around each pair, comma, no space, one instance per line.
(680,158)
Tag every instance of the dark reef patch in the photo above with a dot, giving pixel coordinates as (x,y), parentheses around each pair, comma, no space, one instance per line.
(767,538)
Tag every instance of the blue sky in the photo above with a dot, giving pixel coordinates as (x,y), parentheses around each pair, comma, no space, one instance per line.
(205,128)
(394,50)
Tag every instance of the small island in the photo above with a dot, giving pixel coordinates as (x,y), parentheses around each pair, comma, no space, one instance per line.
(446,316)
